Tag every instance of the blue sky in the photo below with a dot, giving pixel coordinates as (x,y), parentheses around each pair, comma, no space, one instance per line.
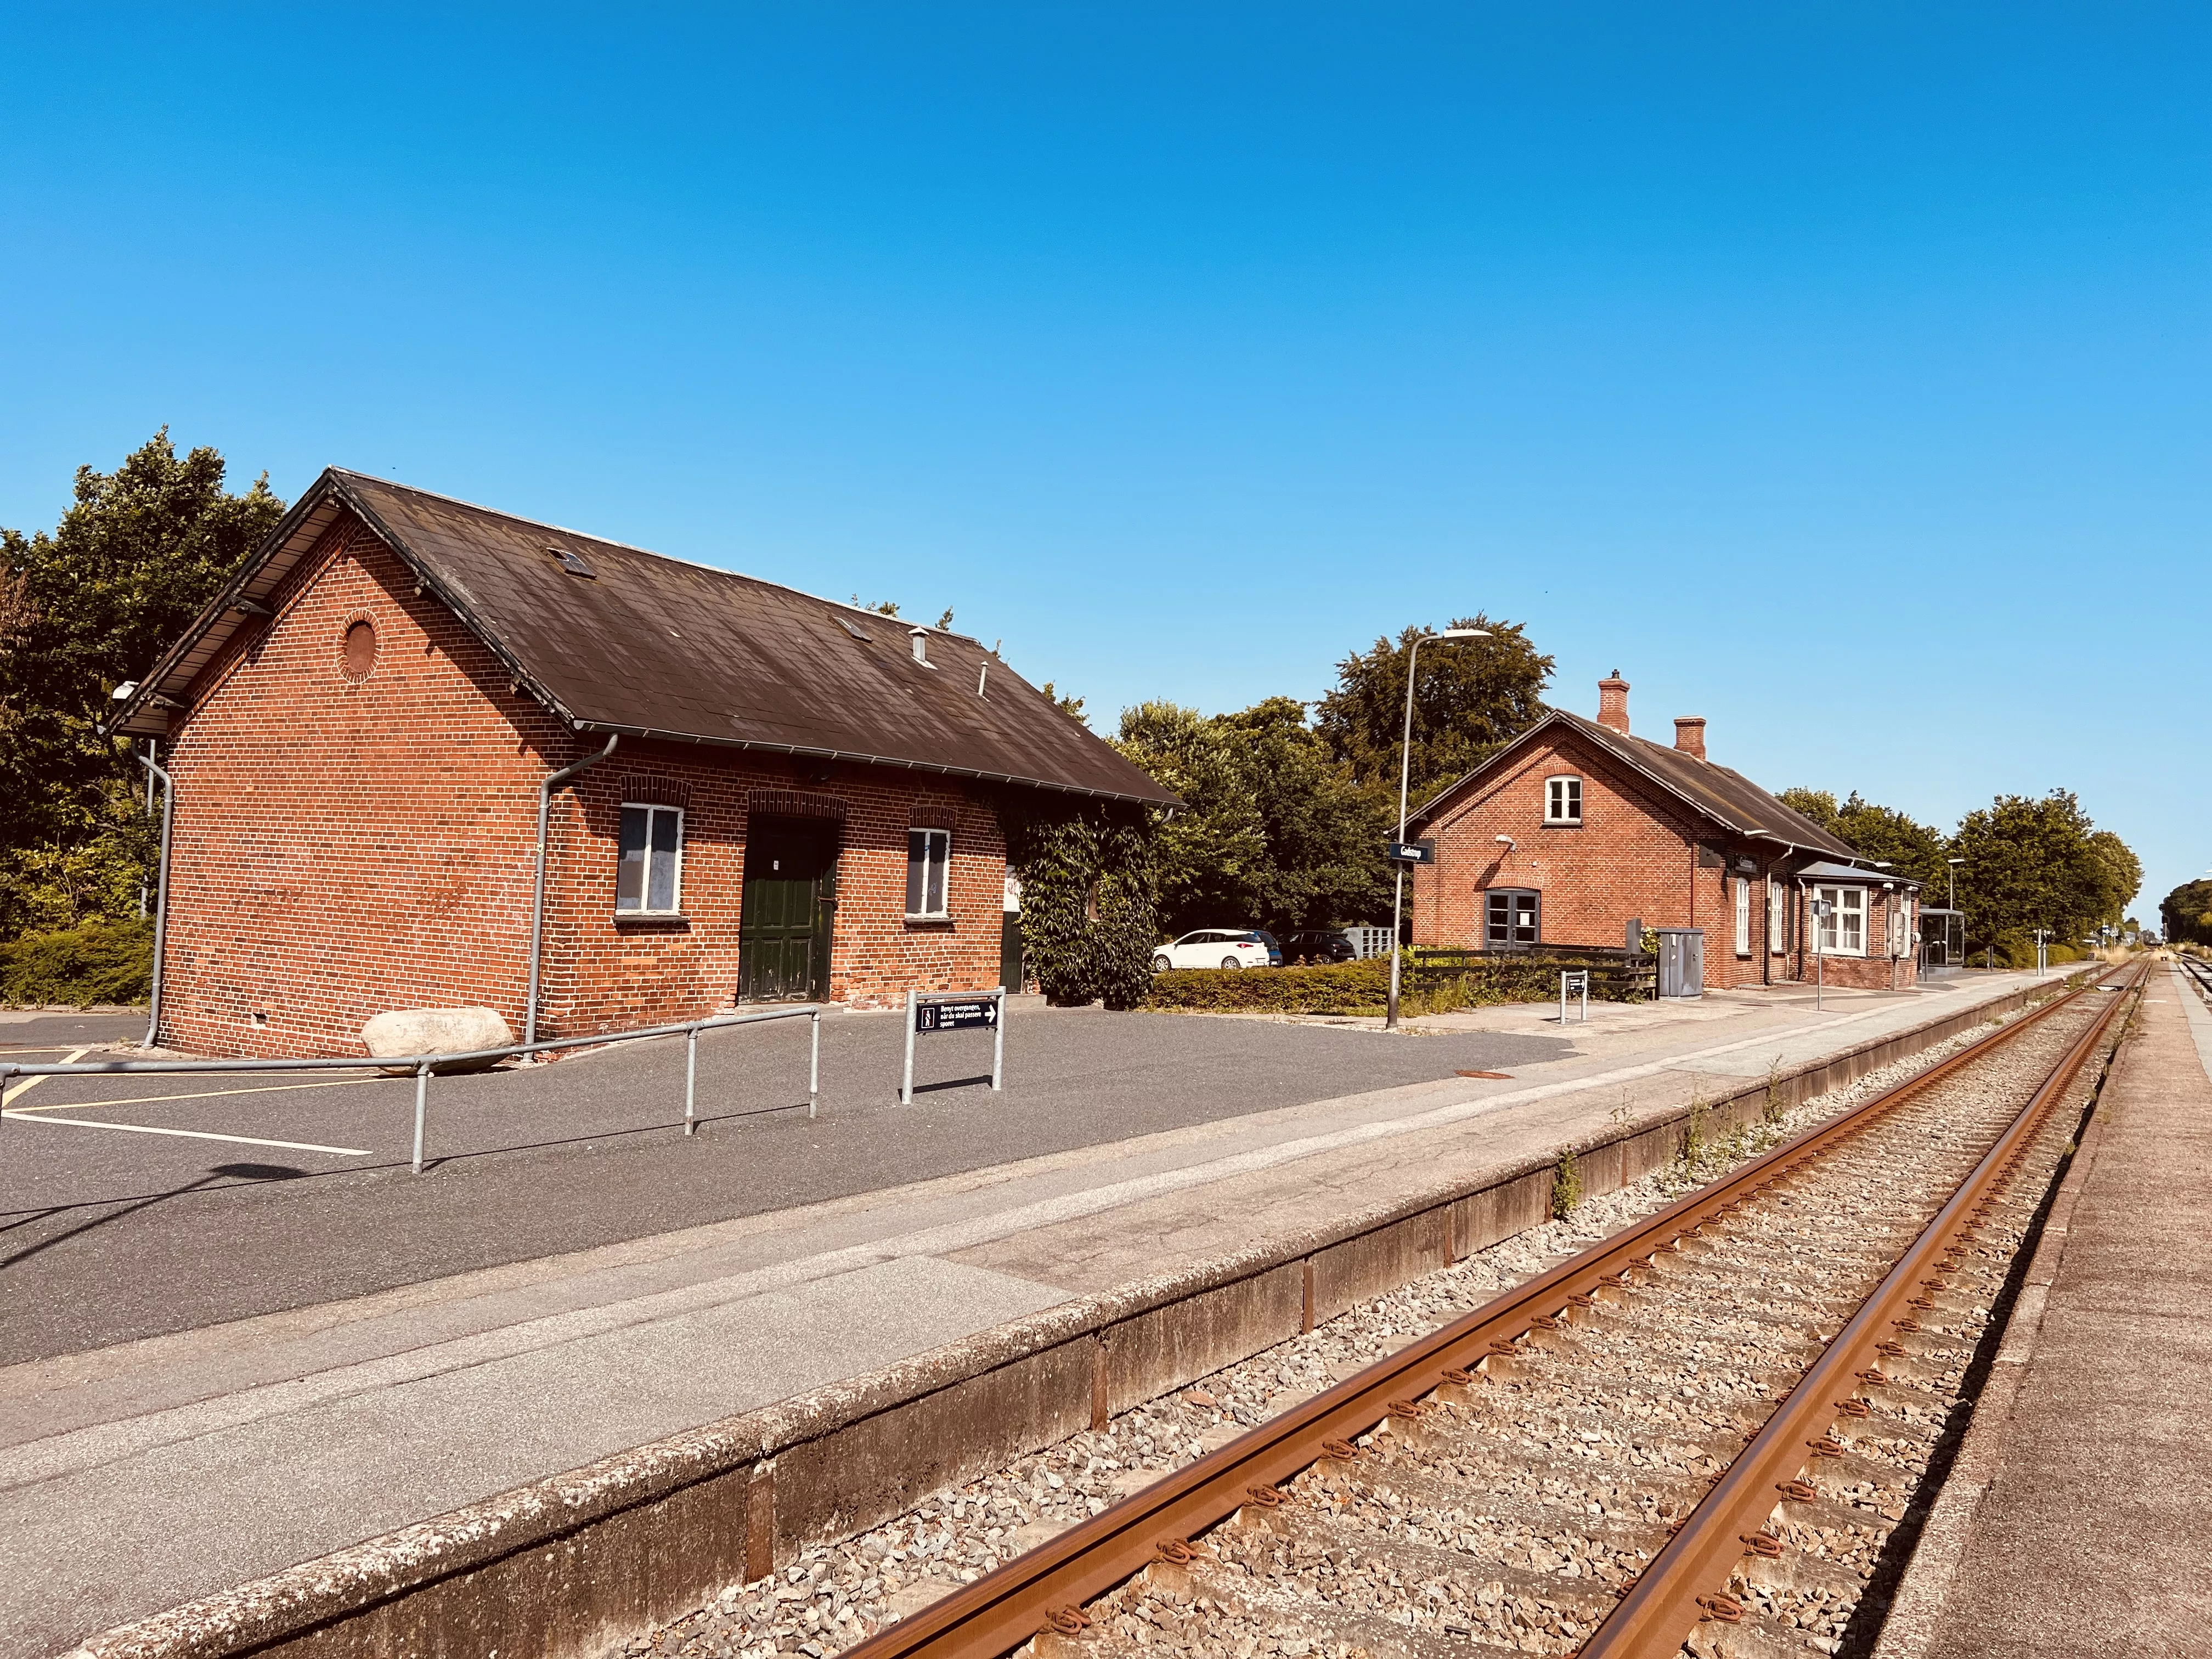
(1837,372)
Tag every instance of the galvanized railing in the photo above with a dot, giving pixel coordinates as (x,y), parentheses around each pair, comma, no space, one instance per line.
(424,1065)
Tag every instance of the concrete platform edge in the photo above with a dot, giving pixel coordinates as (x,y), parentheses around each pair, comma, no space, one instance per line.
(579,1562)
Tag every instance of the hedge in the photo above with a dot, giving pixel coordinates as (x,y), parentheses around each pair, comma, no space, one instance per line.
(1357,988)
(99,961)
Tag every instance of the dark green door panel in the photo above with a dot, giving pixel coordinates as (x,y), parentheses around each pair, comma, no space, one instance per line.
(789,903)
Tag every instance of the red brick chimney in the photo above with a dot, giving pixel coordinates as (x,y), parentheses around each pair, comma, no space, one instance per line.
(1613,703)
(1690,735)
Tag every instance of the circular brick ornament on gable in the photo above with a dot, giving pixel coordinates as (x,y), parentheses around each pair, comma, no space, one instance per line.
(360,657)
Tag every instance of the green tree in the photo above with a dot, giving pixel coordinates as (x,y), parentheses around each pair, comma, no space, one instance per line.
(1210,859)
(1071,707)
(2037,862)
(1913,850)
(1475,696)
(1274,833)
(2184,915)
(136,555)
(2120,876)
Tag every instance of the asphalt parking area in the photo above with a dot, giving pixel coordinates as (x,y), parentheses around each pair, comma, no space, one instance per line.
(108,1234)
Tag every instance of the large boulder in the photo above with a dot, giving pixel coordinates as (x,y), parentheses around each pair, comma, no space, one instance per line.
(437,1031)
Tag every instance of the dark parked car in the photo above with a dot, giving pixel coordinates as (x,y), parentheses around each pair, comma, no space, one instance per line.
(1318,944)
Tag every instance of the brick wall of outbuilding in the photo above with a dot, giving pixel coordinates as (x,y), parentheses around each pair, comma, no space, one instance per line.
(346,847)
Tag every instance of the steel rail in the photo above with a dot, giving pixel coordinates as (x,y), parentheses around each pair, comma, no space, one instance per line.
(1020,1600)
(1680,1586)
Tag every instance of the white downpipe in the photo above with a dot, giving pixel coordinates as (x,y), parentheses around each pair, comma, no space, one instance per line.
(538,898)
(161,896)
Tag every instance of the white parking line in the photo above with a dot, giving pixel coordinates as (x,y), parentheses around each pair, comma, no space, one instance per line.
(203,1094)
(29,1115)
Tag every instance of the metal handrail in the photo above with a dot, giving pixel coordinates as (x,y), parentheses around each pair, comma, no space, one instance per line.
(423,1065)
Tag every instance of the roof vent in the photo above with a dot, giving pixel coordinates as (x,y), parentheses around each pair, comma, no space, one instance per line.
(572,562)
(855,629)
(920,638)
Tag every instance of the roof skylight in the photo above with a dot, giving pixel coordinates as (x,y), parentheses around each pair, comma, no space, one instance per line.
(572,562)
(855,629)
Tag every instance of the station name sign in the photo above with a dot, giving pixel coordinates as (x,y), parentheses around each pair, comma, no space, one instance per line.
(980,1013)
(1412,852)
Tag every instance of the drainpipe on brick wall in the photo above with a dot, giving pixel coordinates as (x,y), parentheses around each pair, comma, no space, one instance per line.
(161,896)
(538,899)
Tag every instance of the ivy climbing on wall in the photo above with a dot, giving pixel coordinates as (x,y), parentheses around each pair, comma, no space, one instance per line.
(1089,916)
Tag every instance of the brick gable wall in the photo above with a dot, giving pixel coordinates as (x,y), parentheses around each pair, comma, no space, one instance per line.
(1636,853)
(344,846)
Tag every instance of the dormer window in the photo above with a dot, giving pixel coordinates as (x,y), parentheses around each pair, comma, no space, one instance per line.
(1563,800)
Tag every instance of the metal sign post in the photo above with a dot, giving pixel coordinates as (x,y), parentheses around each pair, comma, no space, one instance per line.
(1574,979)
(956,1011)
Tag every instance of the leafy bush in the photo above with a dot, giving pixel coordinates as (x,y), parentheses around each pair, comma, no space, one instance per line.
(2015,949)
(1359,987)
(1348,987)
(99,961)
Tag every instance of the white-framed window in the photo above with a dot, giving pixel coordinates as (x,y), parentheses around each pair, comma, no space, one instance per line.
(1563,800)
(1743,917)
(1843,929)
(649,873)
(1778,917)
(928,858)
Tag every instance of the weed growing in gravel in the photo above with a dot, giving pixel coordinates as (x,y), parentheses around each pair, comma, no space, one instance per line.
(1566,1186)
(1774,1111)
(1695,1146)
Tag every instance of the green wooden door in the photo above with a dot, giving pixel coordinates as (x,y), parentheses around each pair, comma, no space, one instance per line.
(789,903)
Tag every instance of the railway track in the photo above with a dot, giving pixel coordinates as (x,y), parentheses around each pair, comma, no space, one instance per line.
(1701,1432)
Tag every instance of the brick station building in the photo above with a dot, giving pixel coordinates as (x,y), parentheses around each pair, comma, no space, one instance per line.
(751,794)
(1577,827)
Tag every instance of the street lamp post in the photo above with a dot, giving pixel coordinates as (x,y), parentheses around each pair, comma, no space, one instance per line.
(1404,768)
(1951,875)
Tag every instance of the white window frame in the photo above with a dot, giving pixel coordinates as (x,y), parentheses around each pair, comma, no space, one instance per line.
(1833,932)
(1558,794)
(1743,915)
(1778,918)
(644,906)
(942,868)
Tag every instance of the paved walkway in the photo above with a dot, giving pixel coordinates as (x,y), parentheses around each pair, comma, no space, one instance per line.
(2077,1517)
(137,1475)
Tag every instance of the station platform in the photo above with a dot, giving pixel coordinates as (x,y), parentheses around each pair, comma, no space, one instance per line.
(137,1475)
(2074,1518)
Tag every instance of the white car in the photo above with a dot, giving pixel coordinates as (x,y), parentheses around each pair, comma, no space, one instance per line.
(1215,947)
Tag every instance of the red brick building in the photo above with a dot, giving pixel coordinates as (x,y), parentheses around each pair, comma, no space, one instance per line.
(749,793)
(1577,828)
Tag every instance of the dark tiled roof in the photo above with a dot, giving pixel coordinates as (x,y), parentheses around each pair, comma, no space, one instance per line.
(657,647)
(1719,793)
